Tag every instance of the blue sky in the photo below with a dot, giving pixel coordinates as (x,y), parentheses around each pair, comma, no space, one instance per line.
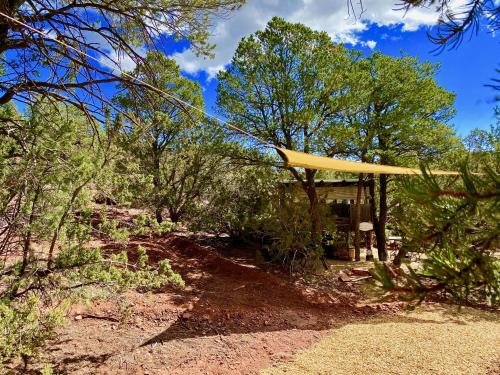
(464,70)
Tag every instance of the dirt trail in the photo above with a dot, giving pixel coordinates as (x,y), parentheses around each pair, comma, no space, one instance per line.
(232,318)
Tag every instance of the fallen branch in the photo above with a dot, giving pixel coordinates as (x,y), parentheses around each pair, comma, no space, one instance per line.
(99,317)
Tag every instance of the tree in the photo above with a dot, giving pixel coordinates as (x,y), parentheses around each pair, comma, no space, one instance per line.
(36,64)
(456,21)
(481,142)
(239,197)
(456,224)
(285,86)
(49,161)
(46,170)
(192,167)
(398,118)
(157,125)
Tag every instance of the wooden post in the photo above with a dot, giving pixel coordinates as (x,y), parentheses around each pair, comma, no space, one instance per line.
(357,246)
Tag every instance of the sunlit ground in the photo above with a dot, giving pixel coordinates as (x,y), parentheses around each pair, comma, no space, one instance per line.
(441,341)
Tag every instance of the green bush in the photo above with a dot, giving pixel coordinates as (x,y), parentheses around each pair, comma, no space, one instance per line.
(287,230)
(28,318)
(146,225)
(455,223)
(26,325)
(49,168)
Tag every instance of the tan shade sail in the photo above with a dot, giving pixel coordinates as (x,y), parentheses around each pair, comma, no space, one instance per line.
(301,159)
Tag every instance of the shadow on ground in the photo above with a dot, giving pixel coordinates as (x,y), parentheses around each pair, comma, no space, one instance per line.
(233,295)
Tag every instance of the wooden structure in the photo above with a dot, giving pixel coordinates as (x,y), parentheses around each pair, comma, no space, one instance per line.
(340,198)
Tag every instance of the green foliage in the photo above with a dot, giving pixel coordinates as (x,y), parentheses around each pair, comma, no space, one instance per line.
(397,113)
(49,164)
(26,326)
(78,266)
(48,168)
(483,146)
(28,321)
(170,153)
(285,85)
(111,229)
(455,225)
(239,195)
(294,88)
(61,74)
(47,370)
(286,228)
(145,225)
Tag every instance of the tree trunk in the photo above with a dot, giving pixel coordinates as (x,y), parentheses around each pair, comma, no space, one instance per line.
(157,182)
(381,240)
(62,221)
(27,240)
(175,216)
(369,255)
(373,206)
(398,259)
(357,246)
(313,207)
(158,215)
(314,211)
(379,218)
(7,7)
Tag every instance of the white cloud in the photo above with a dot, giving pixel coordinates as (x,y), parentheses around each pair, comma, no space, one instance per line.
(371,44)
(328,15)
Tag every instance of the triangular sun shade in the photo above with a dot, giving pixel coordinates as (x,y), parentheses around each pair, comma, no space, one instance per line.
(301,159)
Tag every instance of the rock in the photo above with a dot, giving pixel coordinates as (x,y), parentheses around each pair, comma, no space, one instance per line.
(78,317)
(187,315)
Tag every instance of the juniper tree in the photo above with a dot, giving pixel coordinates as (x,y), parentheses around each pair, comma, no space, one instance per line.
(156,124)
(455,224)
(173,152)
(114,32)
(49,162)
(398,116)
(285,85)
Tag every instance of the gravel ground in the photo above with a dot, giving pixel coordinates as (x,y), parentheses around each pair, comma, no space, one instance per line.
(440,341)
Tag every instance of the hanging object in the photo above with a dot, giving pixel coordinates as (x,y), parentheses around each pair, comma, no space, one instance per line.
(301,159)
(365,226)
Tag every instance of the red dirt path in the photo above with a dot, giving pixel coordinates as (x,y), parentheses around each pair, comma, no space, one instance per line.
(235,316)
